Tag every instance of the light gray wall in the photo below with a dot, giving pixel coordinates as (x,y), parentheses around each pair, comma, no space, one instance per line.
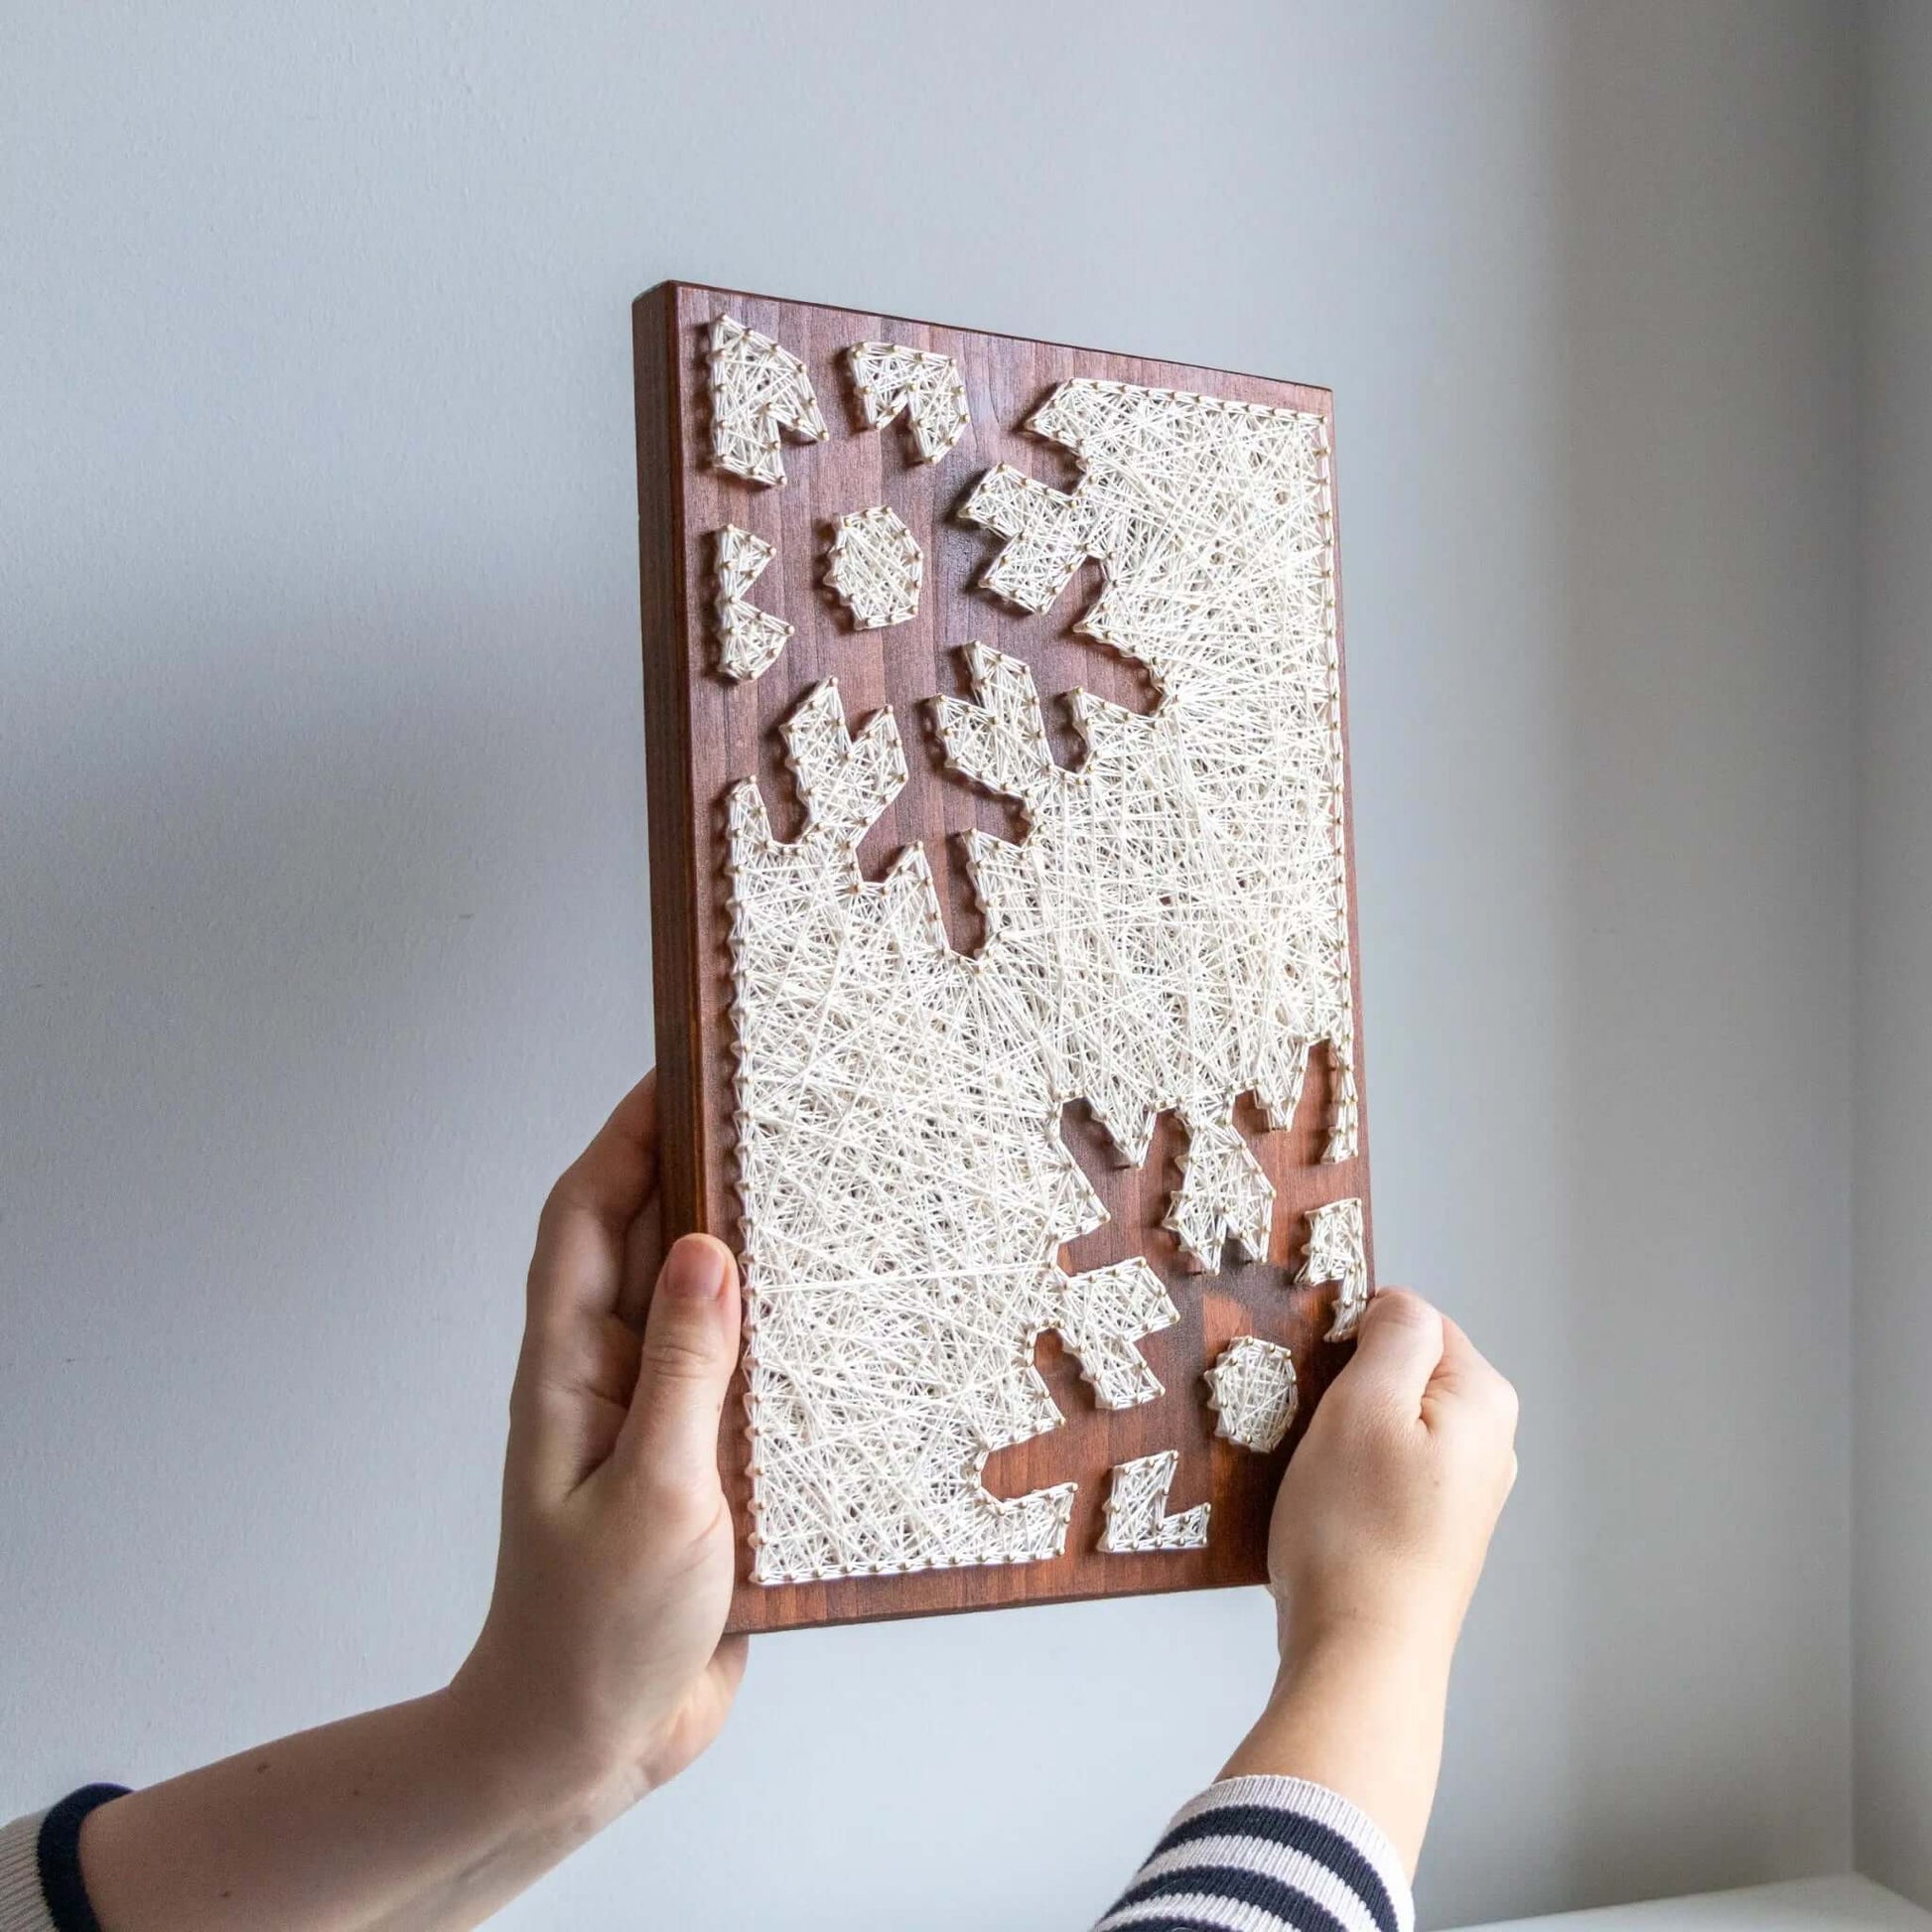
(1893,1138)
(322,921)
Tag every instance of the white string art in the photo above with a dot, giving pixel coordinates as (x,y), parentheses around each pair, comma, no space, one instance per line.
(1183,897)
(749,639)
(905,1194)
(928,386)
(1253,1393)
(1338,1253)
(756,389)
(874,568)
(1137,1516)
(1171,934)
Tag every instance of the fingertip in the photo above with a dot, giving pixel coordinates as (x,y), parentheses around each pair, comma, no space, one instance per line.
(1401,1307)
(698,1267)
(1397,1347)
(690,1351)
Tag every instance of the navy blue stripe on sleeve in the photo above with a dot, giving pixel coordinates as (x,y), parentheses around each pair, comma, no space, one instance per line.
(1178,1925)
(58,1852)
(1298,1833)
(1288,1903)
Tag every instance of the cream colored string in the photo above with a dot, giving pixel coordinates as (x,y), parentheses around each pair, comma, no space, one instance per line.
(1252,1391)
(756,389)
(749,639)
(926,386)
(1185,889)
(906,1192)
(874,568)
(1338,1253)
(1137,1516)
(1172,933)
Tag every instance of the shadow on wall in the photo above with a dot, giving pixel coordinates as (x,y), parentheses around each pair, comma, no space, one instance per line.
(1706,184)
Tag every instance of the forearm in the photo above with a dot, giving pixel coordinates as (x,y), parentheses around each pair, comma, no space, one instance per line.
(1360,1713)
(411,1819)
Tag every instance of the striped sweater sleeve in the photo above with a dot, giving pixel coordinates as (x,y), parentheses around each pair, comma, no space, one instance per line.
(1268,1854)
(41,1886)
(22,1906)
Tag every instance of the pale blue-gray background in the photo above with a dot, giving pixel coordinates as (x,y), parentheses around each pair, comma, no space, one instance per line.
(323,935)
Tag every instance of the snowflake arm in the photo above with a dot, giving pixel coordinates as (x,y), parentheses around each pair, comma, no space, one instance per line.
(756,389)
(1338,1253)
(924,387)
(749,639)
(1137,1509)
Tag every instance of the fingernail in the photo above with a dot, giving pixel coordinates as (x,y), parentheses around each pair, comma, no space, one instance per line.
(695,1269)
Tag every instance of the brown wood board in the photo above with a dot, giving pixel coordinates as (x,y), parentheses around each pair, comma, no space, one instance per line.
(704,733)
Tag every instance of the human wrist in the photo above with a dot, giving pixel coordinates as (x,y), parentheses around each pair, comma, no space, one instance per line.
(1361,1671)
(1416,1639)
(1356,1706)
(555,1774)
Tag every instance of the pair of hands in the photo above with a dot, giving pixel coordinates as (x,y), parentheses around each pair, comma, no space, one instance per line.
(602,1659)
(602,1671)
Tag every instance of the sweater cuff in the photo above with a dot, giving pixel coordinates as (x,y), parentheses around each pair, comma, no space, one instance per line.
(1258,1850)
(40,1866)
(22,1907)
(68,1905)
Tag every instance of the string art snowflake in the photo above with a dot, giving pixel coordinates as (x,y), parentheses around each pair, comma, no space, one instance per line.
(1137,1509)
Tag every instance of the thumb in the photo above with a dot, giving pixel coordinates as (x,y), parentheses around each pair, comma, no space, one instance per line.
(1397,1350)
(689,1352)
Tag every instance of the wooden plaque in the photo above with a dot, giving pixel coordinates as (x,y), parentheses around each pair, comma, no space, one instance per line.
(707,731)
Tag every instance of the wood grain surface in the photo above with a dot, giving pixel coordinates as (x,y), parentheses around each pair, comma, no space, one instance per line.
(704,733)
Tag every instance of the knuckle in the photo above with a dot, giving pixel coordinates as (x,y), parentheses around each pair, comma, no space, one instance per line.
(1351,1392)
(1401,1307)
(1367,1416)
(525,1385)
(576,1196)
(667,1496)
(522,1389)
(518,1409)
(677,1357)
(682,1507)
(1509,1405)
